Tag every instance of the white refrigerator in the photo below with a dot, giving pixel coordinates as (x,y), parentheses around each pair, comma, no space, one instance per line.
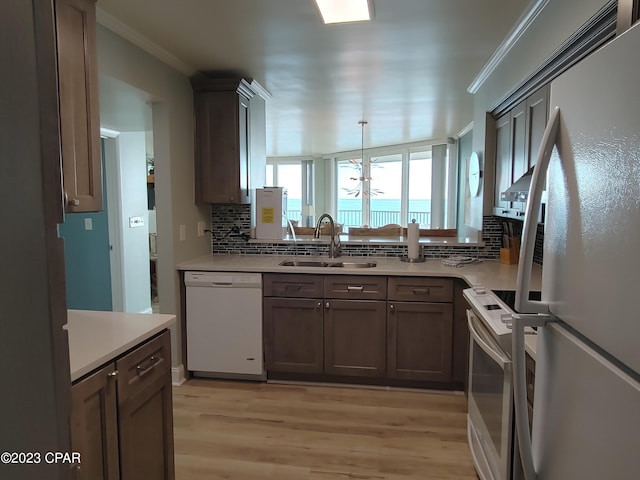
(586,421)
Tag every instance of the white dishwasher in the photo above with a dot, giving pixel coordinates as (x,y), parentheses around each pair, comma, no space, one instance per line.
(224,324)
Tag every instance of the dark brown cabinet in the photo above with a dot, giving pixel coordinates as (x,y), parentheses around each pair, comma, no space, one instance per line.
(419,329)
(94,425)
(78,103)
(293,323)
(145,411)
(222,139)
(460,353)
(518,134)
(355,325)
(355,338)
(389,330)
(122,418)
(293,335)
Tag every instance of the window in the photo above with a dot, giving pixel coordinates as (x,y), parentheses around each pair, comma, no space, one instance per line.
(394,185)
(288,174)
(391,185)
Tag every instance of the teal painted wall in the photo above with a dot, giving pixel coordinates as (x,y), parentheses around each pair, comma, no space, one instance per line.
(87,258)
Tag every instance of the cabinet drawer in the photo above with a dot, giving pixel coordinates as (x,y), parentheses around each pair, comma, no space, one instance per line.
(143,365)
(359,287)
(421,289)
(292,285)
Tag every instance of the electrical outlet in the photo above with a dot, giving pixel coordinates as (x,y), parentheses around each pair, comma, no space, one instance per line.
(183,233)
(201,228)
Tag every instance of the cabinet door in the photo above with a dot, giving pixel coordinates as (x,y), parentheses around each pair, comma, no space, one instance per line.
(419,341)
(460,343)
(94,425)
(538,114)
(293,335)
(519,141)
(145,413)
(355,338)
(79,109)
(503,160)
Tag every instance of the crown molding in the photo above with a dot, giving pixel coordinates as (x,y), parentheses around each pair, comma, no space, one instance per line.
(125,31)
(521,26)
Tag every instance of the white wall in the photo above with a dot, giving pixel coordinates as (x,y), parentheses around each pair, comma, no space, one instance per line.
(556,23)
(172,117)
(135,241)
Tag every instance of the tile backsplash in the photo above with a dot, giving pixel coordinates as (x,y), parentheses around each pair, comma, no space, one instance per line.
(231,225)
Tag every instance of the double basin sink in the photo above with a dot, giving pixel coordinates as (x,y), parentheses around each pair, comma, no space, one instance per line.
(329,264)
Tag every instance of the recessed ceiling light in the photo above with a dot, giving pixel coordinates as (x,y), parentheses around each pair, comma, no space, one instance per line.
(341,11)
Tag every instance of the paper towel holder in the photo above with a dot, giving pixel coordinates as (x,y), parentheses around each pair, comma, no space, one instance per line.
(419,258)
(412,260)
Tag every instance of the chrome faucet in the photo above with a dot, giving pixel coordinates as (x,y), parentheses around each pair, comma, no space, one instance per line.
(334,248)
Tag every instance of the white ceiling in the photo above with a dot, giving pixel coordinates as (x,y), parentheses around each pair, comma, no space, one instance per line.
(406,72)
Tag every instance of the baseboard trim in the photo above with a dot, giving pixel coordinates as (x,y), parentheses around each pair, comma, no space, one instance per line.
(177,376)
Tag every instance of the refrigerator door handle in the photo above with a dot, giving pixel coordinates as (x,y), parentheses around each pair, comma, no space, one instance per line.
(520,399)
(530,225)
(519,322)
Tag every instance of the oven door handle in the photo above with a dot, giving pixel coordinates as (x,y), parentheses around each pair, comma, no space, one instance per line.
(495,355)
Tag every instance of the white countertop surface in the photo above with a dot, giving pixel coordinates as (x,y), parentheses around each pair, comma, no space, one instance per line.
(490,273)
(95,338)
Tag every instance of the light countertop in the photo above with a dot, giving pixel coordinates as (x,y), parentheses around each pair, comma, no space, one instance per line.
(490,273)
(95,338)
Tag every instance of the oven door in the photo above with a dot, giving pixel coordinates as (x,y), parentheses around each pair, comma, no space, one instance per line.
(490,428)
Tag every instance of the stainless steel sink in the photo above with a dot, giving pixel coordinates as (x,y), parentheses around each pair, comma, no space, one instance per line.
(317,263)
(353,264)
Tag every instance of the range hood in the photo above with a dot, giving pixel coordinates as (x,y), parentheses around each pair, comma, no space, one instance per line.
(519,191)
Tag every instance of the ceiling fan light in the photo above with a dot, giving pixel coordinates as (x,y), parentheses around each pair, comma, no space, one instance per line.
(342,11)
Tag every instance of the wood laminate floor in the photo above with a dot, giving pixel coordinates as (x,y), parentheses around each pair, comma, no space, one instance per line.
(249,431)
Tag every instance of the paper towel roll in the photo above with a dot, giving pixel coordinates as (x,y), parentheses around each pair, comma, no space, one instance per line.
(413,236)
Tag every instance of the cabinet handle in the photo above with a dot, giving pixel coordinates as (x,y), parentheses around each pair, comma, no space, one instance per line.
(144,369)
(113,374)
(392,307)
(355,288)
(417,291)
(327,305)
(70,201)
(319,304)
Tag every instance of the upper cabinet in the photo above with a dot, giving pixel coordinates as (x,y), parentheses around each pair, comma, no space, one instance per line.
(225,125)
(518,134)
(79,111)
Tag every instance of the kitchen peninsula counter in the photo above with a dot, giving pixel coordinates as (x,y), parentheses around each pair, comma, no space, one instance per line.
(490,273)
(96,338)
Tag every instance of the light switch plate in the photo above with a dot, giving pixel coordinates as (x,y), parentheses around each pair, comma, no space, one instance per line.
(201,228)
(183,233)
(88,224)
(136,222)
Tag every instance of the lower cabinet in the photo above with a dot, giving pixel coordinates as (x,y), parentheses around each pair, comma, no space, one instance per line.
(94,425)
(293,335)
(396,330)
(122,419)
(419,339)
(355,338)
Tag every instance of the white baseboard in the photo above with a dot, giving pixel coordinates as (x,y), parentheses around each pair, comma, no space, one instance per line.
(177,376)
